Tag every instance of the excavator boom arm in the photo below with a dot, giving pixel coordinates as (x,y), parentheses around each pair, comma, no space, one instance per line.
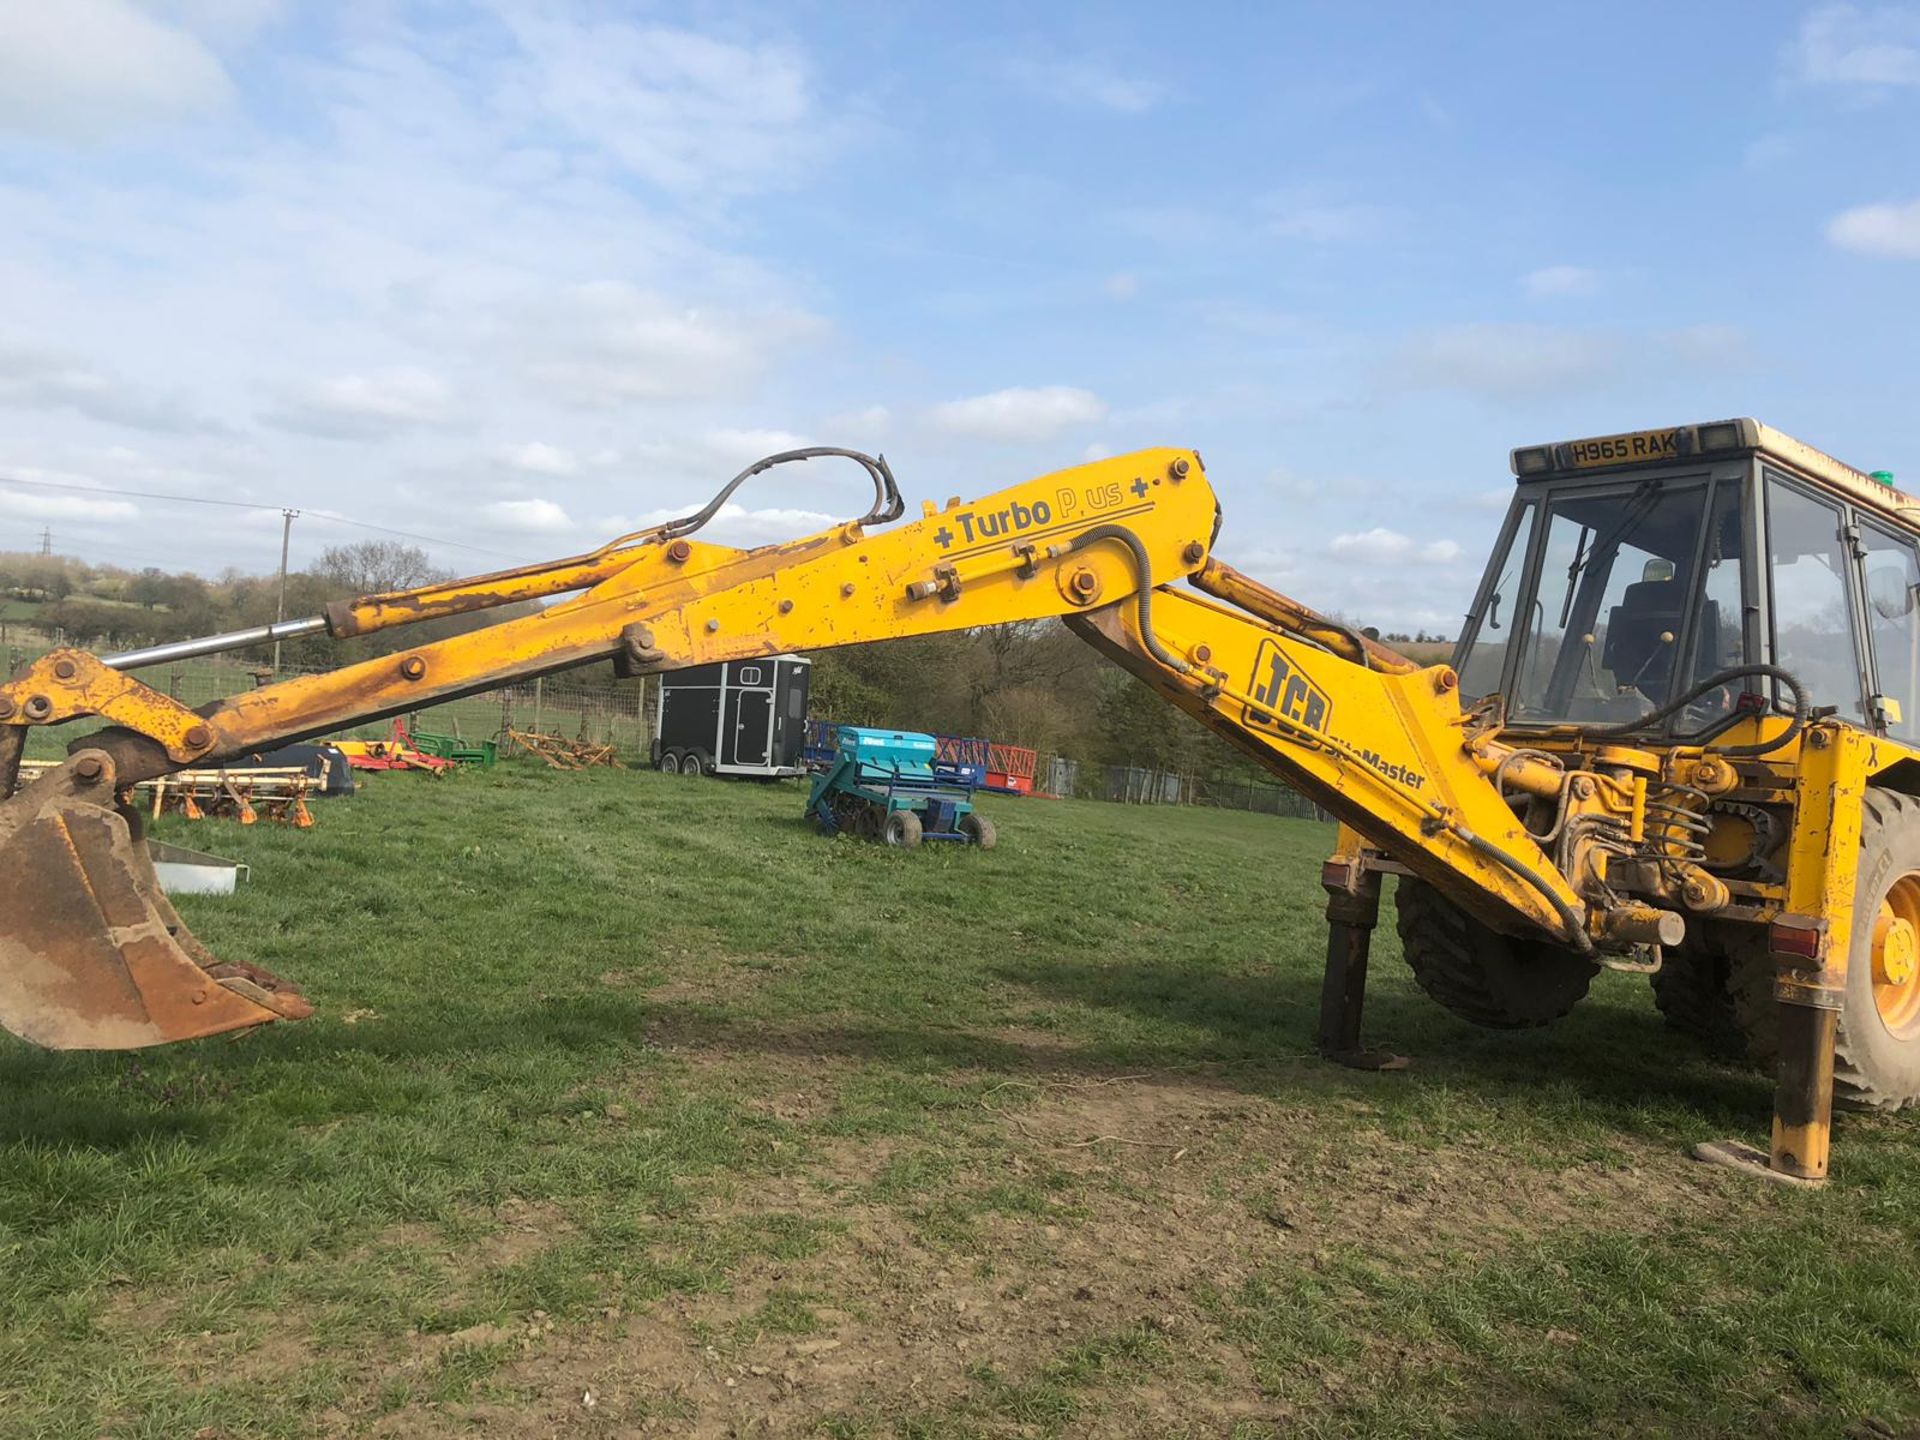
(91,956)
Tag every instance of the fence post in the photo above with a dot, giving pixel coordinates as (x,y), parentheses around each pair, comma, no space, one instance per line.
(539,698)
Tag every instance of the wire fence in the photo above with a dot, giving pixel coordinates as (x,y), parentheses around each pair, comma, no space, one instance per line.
(1144,785)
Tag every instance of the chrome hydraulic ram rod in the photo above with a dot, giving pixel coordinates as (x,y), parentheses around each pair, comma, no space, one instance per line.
(214,644)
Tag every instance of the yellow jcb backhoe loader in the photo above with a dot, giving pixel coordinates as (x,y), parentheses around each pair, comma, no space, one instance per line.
(1678,736)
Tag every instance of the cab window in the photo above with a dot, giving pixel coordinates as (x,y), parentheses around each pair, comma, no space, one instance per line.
(1609,609)
(1812,612)
(1891,574)
(1486,658)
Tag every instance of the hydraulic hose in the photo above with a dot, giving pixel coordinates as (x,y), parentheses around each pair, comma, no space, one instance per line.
(1674,706)
(1576,930)
(1144,595)
(887,502)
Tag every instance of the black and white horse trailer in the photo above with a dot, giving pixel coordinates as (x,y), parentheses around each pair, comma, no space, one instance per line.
(739,717)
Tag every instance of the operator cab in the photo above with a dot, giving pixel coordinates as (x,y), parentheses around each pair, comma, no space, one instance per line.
(1634,568)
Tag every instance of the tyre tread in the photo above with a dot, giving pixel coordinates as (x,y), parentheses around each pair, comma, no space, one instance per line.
(1443,946)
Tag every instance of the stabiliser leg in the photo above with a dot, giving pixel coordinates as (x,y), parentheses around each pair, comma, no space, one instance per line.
(1802,1101)
(1353,909)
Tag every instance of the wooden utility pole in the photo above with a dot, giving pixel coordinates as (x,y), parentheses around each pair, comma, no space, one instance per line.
(287,518)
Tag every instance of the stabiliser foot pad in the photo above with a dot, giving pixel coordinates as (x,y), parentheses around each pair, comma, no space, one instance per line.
(1749,1161)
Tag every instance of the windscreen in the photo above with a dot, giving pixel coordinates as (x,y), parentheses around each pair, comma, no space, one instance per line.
(1600,639)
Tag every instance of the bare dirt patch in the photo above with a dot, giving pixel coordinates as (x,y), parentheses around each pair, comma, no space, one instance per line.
(1115,1207)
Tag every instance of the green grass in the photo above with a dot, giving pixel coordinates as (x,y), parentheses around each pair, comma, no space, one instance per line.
(635,1087)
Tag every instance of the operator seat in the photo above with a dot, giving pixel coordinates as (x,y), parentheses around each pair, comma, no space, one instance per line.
(1643,632)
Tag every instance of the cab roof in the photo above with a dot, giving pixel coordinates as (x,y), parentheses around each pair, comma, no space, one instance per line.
(1688,444)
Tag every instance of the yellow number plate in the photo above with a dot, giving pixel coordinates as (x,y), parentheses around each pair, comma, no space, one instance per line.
(1626,449)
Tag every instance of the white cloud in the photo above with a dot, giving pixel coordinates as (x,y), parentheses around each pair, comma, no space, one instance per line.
(1021,415)
(38,505)
(1096,451)
(679,109)
(1553,281)
(364,407)
(1121,286)
(537,458)
(1079,81)
(610,343)
(742,447)
(732,524)
(1862,47)
(541,517)
(37,379)
(423,185)
(1380,546)
(1891,230)
(86,70)
(224,21)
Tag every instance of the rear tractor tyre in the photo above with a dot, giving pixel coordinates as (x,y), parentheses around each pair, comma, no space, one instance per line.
(1719,991)
(1692,993)
(1480,975)
(979,830)
(901,828)
(1876,1052)
(670,762)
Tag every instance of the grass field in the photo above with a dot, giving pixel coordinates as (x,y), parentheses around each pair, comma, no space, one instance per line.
(636,1108)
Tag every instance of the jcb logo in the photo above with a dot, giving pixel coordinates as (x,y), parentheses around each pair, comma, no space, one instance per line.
(1282,689)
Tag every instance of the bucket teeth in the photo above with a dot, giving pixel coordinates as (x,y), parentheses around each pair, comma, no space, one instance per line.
(92,955)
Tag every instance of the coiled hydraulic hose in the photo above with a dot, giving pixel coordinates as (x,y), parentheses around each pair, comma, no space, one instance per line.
(1673,707)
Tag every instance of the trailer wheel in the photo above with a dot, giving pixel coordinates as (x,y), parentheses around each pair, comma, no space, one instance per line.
(670,762)
(978,829)
(696,762)
(1876,1053)
(902,828)
(1479,974)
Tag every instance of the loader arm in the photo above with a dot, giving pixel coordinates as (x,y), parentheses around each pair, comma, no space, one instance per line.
(92,957)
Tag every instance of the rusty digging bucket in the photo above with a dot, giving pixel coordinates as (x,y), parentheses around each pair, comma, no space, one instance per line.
(92,956)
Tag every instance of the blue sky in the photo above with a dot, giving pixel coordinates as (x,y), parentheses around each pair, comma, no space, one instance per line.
(516,276)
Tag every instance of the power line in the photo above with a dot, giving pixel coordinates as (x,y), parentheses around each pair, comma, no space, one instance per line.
(142,494)
(247,505)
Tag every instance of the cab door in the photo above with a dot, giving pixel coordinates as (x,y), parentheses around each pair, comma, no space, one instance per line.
(1889,583)
(1813,614)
